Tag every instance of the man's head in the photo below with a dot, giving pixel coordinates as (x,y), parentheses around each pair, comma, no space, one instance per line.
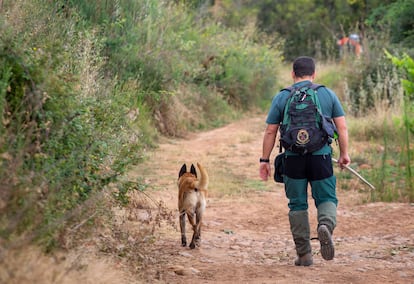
(303,67)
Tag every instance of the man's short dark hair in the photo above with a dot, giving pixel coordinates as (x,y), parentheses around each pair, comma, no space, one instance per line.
(303,66)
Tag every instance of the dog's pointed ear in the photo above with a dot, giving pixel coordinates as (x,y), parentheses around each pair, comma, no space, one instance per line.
(193,170)
(182,171)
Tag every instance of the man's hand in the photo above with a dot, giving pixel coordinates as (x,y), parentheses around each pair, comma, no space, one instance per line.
(264,171)
(343,161)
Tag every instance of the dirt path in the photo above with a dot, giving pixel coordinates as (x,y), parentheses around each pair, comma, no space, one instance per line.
(246,237)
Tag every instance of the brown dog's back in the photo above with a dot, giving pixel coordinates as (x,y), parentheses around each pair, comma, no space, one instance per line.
(192,200)
(187,182)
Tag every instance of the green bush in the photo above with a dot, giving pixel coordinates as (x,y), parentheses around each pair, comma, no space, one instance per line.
(67,129)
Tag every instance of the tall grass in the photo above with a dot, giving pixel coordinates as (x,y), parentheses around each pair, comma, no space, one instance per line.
(406,63)
(378,109)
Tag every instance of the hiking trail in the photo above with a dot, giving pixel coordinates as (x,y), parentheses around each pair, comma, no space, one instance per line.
(245,236)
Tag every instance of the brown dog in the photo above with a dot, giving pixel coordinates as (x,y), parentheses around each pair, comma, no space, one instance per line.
(192,201)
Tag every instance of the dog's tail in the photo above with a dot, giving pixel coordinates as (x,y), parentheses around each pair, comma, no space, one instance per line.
(203,180)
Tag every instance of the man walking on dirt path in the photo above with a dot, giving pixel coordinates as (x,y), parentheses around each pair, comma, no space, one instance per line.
(315,168)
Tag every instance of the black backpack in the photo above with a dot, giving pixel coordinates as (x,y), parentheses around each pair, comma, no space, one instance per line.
(304,128)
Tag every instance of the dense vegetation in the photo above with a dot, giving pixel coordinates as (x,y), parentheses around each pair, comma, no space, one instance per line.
(87,86)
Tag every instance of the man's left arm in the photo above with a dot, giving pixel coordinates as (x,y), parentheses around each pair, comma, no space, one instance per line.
(344,159)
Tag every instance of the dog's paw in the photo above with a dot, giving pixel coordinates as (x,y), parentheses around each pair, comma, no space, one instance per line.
(198,242)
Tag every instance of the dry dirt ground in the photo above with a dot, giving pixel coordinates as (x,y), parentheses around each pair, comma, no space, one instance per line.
(245,234)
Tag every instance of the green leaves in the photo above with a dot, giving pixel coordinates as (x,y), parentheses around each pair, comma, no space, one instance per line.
(406,63)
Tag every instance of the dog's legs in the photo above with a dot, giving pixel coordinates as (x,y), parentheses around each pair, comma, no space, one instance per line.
(195,241)
(199,218)
(192,220)
(182,228)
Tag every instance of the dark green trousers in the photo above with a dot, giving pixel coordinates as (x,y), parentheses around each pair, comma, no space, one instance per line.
(300,172)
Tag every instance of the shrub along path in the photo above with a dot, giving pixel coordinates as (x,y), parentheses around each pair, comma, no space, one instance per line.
(246,237)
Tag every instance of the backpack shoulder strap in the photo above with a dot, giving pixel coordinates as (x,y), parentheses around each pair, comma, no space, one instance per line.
(315,86)
(312,86)
(290,89)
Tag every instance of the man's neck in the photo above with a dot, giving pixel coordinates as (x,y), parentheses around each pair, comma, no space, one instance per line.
(301,79)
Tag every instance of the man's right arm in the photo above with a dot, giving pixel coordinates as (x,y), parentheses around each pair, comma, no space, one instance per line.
(269,139)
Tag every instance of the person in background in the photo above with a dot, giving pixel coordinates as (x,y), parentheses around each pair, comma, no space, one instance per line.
(350,44)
